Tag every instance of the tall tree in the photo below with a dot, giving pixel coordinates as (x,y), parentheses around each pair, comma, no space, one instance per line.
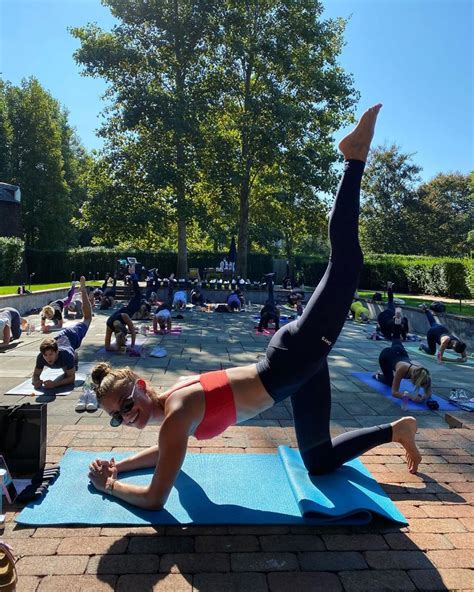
(37,165)
(446,215)
(388,201)
(155,62)
(6,136)
(284,94)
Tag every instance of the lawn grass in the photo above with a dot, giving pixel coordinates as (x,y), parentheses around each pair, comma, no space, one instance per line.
(9,290)
(411,300)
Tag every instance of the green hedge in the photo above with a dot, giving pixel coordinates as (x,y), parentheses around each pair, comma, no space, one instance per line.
(439,276)
(11,258)
(56,266)
(412,274)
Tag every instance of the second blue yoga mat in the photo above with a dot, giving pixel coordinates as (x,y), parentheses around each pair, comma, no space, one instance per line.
(405,385)
(220,489)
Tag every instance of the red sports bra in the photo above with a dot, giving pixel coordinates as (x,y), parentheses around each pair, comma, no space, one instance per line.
(220,410)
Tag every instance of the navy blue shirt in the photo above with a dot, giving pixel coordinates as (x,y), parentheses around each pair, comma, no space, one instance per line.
(65,356)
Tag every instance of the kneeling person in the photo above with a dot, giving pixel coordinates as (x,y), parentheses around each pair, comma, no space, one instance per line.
(11,325)
(60,351)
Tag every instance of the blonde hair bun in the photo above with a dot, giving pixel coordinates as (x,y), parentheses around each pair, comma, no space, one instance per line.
(100,371)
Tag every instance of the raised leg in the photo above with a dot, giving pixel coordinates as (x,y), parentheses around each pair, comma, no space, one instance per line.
(67,301)
(390,303)
(86,304)
(297,351)
(430,317)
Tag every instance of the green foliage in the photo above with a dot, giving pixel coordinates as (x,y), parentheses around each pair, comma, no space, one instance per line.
(388,194)
(399,215)
(11,257)
(51,266)
(269,143)
(411,274)
(445,215)
(155,62)
(220,113)
(40,152)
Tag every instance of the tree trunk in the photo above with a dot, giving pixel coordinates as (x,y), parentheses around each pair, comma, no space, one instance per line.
(180,185)
(289,254)
(246,160)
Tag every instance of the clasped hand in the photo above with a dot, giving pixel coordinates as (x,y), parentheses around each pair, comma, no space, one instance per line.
(102,470)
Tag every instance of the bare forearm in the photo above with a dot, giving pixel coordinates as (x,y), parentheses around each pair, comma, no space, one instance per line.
(136,495)
(142,460)
(63,380)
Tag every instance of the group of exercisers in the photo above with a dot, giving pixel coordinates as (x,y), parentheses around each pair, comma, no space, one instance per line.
(295,365)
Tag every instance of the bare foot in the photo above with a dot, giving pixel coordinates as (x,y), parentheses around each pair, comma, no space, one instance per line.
(356,145)
(82,282)
(404,431)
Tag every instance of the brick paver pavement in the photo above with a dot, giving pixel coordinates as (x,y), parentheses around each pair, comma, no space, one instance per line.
(435,552)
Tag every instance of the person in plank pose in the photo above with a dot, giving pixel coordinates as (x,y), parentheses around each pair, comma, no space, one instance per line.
(121,320)
(162,314)
(295,366)
(54,310)
(440,335)
(396,365)
(61,351)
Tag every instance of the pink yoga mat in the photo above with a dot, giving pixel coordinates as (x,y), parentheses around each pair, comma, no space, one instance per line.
(265,332)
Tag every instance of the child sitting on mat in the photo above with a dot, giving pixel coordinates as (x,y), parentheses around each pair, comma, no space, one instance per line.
(60,351)
(295,366)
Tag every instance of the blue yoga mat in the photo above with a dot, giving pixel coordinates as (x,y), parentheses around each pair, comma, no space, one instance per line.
(221,489)
(405,385)
(451,357)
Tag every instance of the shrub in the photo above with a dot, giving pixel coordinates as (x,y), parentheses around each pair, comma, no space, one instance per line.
(11,258)
(439,276)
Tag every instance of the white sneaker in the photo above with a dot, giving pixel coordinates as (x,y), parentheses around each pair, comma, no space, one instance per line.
(91,403)
(81,404)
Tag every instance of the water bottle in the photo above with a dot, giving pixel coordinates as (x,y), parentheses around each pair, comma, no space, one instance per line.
(3,474)
(405,399)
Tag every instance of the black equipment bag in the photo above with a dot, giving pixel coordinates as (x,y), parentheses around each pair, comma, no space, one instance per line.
(23,437)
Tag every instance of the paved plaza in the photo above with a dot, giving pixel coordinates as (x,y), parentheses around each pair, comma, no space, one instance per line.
(435,552)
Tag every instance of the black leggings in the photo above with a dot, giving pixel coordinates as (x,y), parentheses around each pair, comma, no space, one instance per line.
(111,291)
(386,322)
(135,301)
(296,362)
(389,358)
(269,312)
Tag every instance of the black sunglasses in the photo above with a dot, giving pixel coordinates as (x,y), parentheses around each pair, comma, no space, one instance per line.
(116,418)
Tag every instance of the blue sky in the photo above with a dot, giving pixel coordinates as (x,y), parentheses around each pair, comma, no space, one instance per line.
(414,56)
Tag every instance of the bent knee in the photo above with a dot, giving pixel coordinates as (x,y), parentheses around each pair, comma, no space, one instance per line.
(318,460)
